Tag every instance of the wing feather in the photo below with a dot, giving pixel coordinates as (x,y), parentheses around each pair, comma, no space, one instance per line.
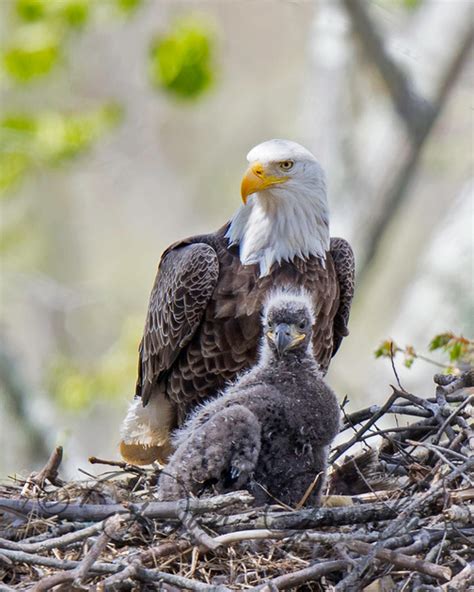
(186,278)
(344,264)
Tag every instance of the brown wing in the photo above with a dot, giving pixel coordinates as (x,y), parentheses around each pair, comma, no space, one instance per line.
(186,279)
(344,264)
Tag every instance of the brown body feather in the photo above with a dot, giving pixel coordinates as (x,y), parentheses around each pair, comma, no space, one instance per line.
(203,323)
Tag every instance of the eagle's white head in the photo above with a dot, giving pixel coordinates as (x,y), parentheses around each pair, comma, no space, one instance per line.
(285,212)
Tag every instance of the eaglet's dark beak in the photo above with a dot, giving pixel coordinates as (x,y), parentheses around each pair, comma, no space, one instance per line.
(285,337)
(282,338)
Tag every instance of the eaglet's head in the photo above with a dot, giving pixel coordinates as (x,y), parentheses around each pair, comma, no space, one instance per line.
(288,320)
(282,167)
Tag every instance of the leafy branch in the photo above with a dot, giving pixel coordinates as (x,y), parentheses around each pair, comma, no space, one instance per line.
(458,349)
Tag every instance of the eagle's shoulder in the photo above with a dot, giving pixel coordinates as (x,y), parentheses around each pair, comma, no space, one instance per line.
(187,276)
(342,255)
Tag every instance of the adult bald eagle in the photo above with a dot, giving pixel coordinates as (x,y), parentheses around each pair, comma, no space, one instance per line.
(203,321)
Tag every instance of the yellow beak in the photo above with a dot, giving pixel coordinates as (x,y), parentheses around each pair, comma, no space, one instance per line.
(256,179)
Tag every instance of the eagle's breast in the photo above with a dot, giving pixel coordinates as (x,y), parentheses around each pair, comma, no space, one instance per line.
(227,341)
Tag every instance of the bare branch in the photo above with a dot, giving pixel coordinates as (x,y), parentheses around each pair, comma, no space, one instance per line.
(415,112)
(404,561)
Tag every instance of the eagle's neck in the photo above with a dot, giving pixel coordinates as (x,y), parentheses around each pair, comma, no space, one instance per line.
(278,226)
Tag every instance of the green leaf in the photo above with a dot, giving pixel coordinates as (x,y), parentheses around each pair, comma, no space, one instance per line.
(74,12)
(48,138)
(411,4)
(31,10)
(61,137)
(181,62)
(455,351)
(386,349)
(33,53)
(128,6)
(13,165)
(440,341)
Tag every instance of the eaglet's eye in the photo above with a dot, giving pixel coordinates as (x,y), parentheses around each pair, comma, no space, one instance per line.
(286,165)
(302,325)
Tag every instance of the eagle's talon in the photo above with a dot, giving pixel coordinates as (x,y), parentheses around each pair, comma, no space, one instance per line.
(232,475)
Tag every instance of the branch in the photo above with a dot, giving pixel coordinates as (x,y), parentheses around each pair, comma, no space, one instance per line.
(404,561)
(302,576)
(18,396)
(418,115)
(48,473)
(93,512)
(415,112)
(307,518)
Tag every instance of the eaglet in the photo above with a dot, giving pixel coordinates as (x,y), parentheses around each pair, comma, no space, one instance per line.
(270,431)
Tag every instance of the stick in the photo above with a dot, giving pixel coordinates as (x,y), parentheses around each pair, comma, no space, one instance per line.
(404,561)
(462,580)
(95,512)
(80,573)
(117,463)
(48,473)
(308,518)
(304,575)
(54,543)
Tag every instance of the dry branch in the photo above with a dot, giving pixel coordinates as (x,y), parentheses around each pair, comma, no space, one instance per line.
(92,512)
(404,561)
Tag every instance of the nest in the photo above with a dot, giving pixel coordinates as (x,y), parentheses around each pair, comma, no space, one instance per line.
(399,517)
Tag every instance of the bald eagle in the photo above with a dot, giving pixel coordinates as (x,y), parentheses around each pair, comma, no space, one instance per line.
(270,431)
(203,322)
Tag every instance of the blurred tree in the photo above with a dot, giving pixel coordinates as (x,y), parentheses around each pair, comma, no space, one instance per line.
(29,141)
(39,36)
(37,41)
(181,62)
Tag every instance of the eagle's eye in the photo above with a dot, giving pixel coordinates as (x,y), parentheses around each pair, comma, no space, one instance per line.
(286,165)
(302,325)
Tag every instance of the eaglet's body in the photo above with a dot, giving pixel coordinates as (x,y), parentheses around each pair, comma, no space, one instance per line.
(268,433)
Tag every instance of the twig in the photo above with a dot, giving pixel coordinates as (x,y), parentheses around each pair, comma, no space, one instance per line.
(52,562)
(404,561)
(309,491)
(450,418)
(462,580)
(401,521)
(304,575)
(152,575)
(117,463)
(48,473)
(81,571)
(192,526)
(55,542)
(339,450)
(150,556)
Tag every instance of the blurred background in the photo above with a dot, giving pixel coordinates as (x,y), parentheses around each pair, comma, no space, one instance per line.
(124,126)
